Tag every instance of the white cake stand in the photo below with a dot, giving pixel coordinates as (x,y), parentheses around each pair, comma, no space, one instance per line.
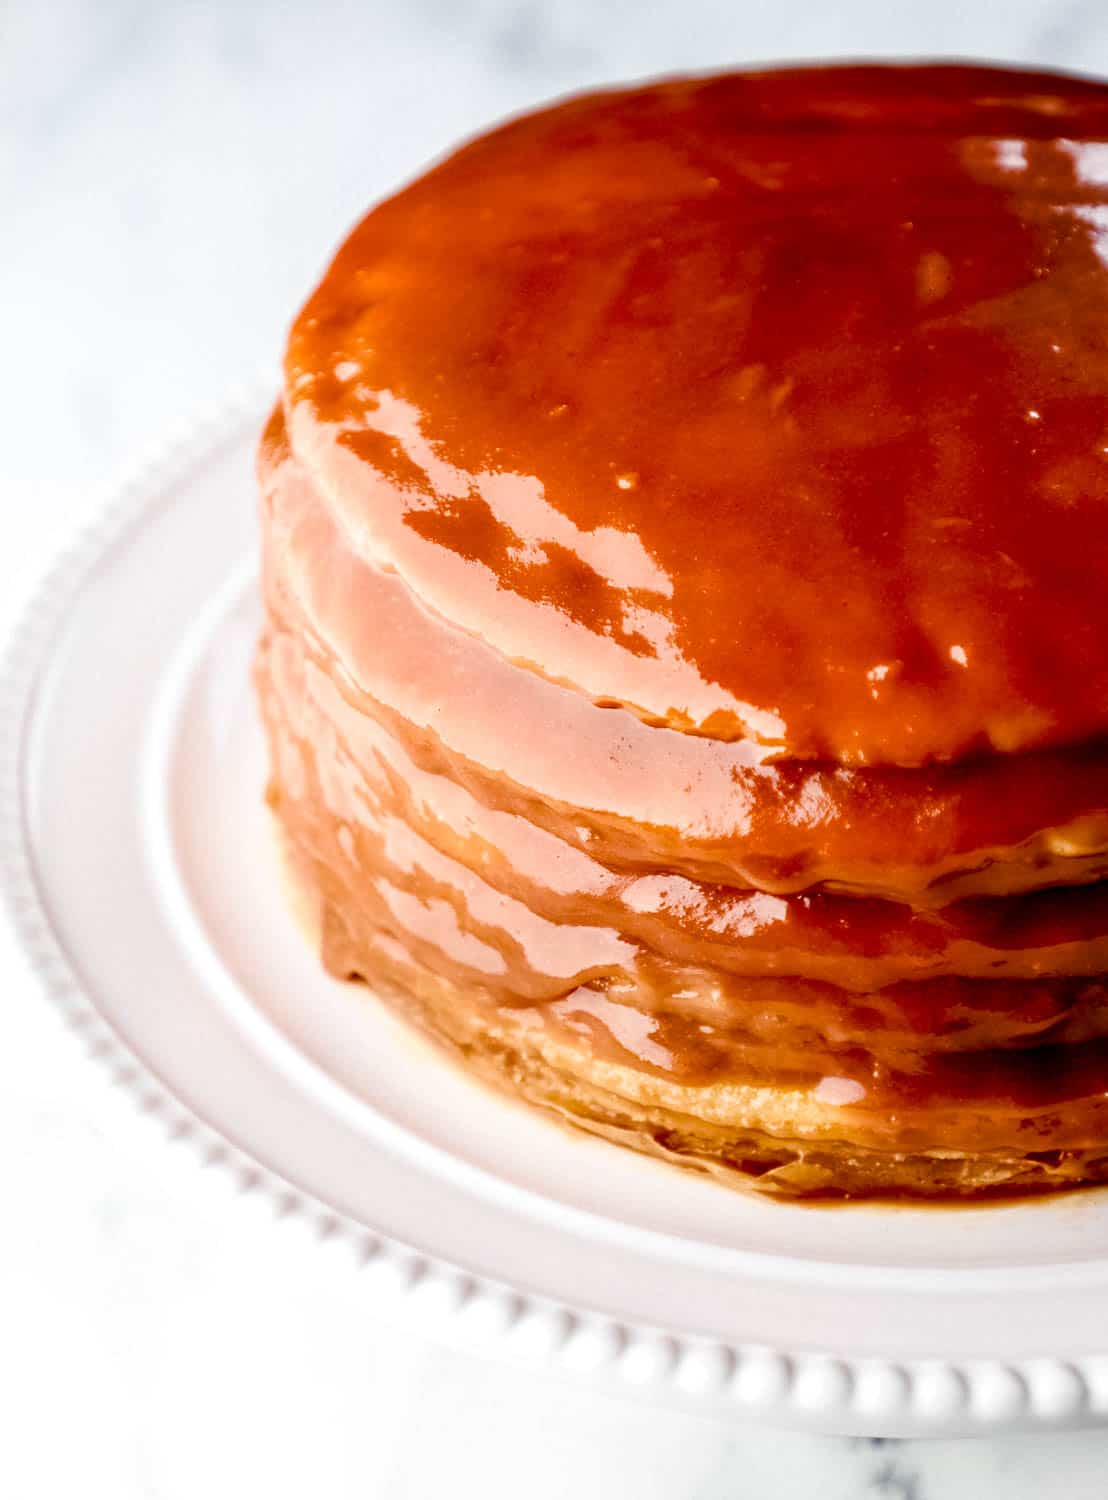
(139,870)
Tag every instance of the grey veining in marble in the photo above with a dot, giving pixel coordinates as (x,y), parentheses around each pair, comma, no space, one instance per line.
(173,177)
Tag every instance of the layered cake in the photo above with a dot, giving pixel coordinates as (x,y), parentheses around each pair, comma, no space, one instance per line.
(685,533)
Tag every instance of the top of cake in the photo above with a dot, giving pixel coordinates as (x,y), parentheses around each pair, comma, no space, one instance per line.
(772,407)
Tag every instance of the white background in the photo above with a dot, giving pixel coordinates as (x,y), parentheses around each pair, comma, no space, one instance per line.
(172,179)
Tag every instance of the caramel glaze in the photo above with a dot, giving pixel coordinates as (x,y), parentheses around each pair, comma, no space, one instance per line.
(686,659)
(650,799)
(772,406)
(423,821)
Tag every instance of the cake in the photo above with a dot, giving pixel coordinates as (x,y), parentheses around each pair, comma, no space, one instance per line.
(685,667)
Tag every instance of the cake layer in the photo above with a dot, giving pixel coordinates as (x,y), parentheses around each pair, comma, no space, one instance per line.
(770,407)
(402,818)
(1027,1042)
(642,798)
(795,1137)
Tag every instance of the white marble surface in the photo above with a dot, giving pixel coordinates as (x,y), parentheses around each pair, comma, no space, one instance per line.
(173,176)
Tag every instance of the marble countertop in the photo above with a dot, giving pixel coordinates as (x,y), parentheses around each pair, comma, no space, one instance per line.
(174,177)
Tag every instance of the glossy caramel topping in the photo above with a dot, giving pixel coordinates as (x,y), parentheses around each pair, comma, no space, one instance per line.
(773,407)
(651,799)
(539,894)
